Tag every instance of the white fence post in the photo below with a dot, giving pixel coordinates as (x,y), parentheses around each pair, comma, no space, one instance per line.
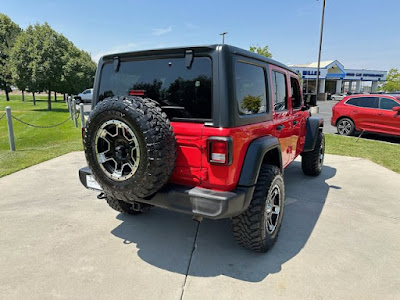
(82,113)
(10,129)
(74,113)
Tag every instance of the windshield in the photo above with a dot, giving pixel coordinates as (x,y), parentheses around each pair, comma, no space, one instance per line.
(181,92)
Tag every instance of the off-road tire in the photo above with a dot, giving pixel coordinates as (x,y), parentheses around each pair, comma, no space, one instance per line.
(250,228)
(122,207)
(155,139)
(350,127)
(313,161)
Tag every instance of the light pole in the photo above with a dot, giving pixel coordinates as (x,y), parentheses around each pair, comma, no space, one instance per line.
(320,46)
(223,37)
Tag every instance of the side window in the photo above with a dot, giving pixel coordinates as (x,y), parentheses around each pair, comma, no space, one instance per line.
(250,89)
(295,89)
(280,99)
(368,102)
(353,101)
(387,104)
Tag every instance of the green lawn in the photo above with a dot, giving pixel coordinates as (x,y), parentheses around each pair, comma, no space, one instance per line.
(35,145)
(385,154)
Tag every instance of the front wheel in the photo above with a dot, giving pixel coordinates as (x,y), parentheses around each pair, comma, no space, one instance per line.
(258,227)
(312,161)
(345,126)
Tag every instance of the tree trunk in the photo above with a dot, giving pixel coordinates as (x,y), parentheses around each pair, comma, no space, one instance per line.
(55,96)
(65,97)
(23,96)
(7,96)
(33,96)
(49,100)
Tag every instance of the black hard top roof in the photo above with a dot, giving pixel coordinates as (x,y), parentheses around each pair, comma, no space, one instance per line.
(175,50)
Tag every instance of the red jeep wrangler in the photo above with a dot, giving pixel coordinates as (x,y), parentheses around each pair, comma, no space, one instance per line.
(204,130)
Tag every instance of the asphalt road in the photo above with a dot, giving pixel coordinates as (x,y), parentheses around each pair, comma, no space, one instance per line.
(339,240)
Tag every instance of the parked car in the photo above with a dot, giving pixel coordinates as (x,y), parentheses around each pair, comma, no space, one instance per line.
(338,97)
(376,113)
(86,96)
(206,131)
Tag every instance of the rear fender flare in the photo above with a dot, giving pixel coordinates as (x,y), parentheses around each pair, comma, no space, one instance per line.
(256,155)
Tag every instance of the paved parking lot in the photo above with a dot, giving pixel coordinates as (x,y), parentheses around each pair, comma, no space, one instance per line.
(339,240)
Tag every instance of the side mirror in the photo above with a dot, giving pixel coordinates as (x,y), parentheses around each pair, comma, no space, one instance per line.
(396,108)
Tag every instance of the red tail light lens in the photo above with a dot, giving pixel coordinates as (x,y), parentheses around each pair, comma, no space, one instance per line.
(137,92)
(219,150)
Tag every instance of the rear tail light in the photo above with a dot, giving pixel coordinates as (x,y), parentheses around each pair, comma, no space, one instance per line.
(220,150)
(137,92)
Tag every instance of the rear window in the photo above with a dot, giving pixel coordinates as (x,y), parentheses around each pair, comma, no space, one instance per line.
(181,92)
(369,102)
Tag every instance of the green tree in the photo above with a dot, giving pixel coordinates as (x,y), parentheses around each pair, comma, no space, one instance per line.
(8,33)
(78,71)
(392,83)
(20,60)
(48,58)
(261,50)
(251,103)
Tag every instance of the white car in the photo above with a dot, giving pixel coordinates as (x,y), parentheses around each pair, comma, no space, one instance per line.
(86,96)
(338,97)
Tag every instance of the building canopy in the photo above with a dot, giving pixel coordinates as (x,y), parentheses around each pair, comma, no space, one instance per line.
(334,70)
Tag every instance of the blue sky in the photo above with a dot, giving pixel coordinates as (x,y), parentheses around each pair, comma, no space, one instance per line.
(359,33)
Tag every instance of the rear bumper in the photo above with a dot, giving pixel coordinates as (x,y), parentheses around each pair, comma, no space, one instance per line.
(192,200)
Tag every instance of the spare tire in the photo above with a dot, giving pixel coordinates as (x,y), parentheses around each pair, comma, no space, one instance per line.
(130,147)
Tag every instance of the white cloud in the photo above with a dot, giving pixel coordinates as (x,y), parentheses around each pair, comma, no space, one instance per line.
(161,31)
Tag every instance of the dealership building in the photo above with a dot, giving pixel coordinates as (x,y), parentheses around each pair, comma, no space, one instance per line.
(335,79)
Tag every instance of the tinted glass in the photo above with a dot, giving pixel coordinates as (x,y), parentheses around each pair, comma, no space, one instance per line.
(295,88)
(369,102)
(181,92)
(250,89)
(388,104)
(280,101)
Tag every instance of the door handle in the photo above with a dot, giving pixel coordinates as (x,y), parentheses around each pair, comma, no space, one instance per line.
(380,114)
(280,127)
(295,122)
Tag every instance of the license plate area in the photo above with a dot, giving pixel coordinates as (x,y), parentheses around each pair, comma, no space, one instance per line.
(91,183)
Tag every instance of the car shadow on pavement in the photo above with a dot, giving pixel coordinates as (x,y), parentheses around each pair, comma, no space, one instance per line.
(379,137)
(165,239)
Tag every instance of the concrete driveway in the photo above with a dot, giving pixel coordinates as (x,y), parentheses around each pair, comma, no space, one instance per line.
(340,239)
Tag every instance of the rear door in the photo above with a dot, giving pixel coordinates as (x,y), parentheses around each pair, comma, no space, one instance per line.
(188,164)
(297,117)
(363,112)
(282,116)
(387,120)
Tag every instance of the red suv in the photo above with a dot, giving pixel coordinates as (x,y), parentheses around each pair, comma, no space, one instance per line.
(206,131)
(372,113)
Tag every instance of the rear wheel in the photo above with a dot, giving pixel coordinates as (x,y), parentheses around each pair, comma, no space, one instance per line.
(312,162)
(258,227)
(345,126)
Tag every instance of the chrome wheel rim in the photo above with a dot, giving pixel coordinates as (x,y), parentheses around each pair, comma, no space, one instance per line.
(344,127)
(117,150)
(272,209)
